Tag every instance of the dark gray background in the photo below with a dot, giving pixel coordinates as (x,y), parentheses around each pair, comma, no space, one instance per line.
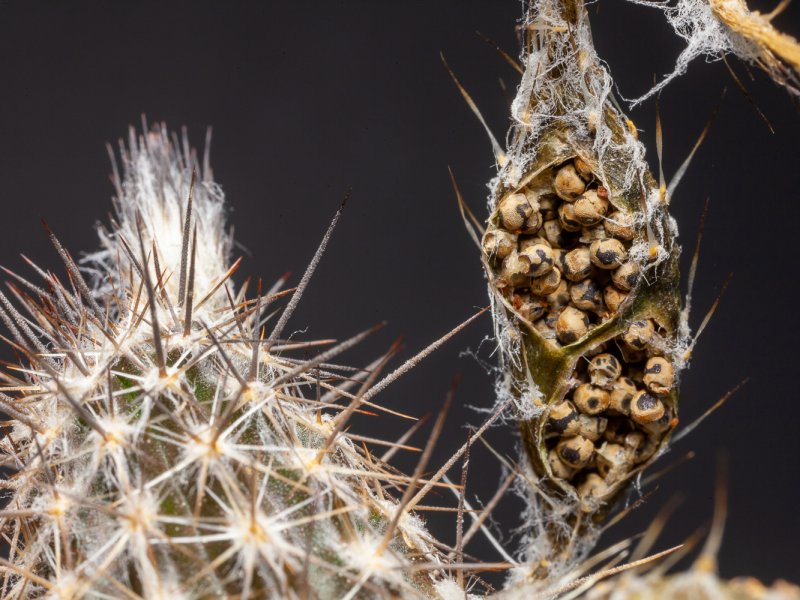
(308,99)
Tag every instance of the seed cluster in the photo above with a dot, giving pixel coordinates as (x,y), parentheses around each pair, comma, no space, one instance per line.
(559,251)
(615,415)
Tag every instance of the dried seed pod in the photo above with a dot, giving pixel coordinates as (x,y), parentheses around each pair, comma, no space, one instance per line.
(583,169)
(498,243)
(592,428)
(547,283)
(620,225)
(639,334)
(567,218)
(592,492)
(590,399)
(613,298)
(568,184)
(604,369)
(529,307)
(563,418)
(558,467)
(659,375)
(645,408)
(572,325)
(514,210)
(560,297)
(576,451)
(590,208)
(577,264)
(540,257)
(626,276)
(555,234)
(514,270)
(614,461)
(607,254)
(622,392)
(586,295)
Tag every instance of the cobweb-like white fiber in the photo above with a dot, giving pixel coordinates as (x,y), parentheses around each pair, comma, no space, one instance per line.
(707,36)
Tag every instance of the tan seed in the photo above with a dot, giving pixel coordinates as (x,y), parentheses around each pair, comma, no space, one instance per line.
(607,254)
(626,276)
(575,451)
(572,325)
(498,243)
(590,208)
(659,375)
(646,408)
(514,210)
(568,184)
(577,264)
(590,399)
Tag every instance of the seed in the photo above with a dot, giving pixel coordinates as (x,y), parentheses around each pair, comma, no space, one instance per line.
(563,418)
(642,447)
(590,208)
(547,283)
(572,325)
(659,425)
(532,196)
(575,451)
(590,234)
(557,237)
(567,217)
(622,392)
(568,184)
(514,270)
(533,223)
(557,466)
(620,225)
(560,297)
(586,295)
(591,492)
(607,254)
(604,369)
(592,428)
(577,264)
(540,257)
(583,169)
(526,241)
(614,461)
(645,408)
(498,243)
(659,375)
(639,334)
(626,276)
(529,307)
(613,297)
(514,210)
(590,399)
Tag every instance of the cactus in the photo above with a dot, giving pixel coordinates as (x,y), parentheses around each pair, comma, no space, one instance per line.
(168,439)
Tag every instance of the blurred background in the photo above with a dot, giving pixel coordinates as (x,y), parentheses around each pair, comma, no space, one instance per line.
(310,99)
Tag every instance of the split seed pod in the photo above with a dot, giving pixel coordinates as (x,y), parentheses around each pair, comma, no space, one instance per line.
(565,139)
